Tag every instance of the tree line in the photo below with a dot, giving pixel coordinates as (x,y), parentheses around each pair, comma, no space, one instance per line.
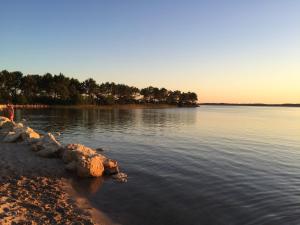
(61,90)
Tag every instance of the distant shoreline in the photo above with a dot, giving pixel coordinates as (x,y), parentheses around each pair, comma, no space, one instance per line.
(251,104)
(145,106)
(118,106)
(115,106)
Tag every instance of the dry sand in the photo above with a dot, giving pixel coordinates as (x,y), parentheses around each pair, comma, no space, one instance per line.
(36,190)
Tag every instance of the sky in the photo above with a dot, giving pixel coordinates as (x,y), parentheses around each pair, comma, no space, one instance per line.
(224,50)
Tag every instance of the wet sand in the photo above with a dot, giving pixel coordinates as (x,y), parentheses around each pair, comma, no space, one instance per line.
(37,190)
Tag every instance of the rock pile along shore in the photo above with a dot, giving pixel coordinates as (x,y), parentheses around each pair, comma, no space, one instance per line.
(35,189)
(82,160)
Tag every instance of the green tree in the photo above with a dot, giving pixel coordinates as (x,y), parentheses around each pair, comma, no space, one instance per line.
(173,97)
(10,84)
(30,87)
(59,89)
(75,90)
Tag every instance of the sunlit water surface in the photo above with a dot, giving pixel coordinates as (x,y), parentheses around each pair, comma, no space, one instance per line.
(189,166)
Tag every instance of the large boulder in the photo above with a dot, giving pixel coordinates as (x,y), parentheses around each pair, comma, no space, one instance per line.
(90,166)
(50,147)
(73,152)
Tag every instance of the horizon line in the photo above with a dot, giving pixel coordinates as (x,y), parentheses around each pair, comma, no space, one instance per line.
(258,104)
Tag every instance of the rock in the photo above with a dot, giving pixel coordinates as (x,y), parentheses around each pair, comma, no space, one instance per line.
(13,132)
(100,149)
(17,131)
(12,136)
(72,166)
(121,177)
(90,166)
(69,156)
(109,163)
(3,120)
(88,162)
(110,167)
(73,152)
(19,125)
(30,136)
(50,146)
(112,171)
(50,139)
(7,125)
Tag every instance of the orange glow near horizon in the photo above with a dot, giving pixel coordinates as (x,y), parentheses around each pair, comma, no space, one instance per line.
(273,82)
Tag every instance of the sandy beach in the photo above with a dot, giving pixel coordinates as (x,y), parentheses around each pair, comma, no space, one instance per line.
(36,190)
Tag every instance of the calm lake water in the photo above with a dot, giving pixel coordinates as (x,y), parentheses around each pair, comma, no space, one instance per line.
(189,166)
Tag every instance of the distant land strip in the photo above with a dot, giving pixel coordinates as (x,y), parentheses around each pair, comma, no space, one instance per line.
(114,106)
(252,104)
(48,89)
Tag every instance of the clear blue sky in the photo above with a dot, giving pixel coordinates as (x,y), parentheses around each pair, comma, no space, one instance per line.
(225,50)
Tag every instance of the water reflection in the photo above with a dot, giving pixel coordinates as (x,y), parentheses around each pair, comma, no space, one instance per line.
(87,186)
(113,120)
